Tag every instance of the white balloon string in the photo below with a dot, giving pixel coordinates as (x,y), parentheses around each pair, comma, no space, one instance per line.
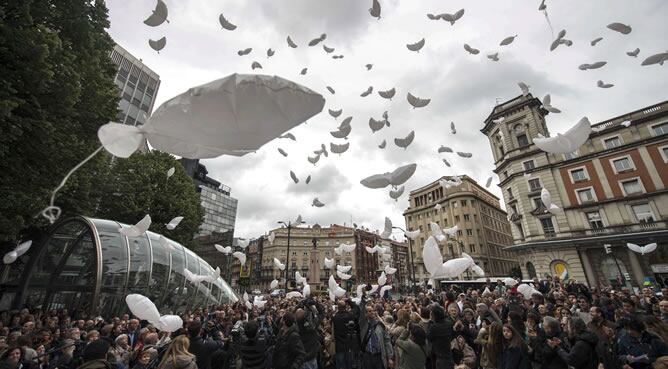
(549,23)
(51,212)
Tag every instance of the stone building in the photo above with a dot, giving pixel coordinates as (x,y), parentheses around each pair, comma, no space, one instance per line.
(484,230)
(612,191)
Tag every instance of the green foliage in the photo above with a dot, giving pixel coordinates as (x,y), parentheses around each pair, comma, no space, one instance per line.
(138,186)
(56,89)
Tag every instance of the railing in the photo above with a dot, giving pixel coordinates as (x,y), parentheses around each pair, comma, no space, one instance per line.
(626,228)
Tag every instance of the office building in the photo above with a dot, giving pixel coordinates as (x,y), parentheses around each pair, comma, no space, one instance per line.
(612,191)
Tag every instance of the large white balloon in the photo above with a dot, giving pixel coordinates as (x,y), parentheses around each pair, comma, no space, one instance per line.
(138,229)
(169,323)
(142,307)
(567,142)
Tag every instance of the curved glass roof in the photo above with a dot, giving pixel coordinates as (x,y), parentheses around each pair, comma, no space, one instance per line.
(88,266)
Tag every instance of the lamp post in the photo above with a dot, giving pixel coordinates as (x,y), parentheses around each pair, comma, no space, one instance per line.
(289,226)
(410,255)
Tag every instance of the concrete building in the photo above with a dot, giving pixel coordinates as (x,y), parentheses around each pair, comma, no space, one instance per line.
(484,230)
(138,87)
(303,240)
(612,190)
(397,258)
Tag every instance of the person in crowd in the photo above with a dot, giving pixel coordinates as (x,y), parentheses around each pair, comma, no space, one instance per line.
(377,351)
(638,348)
(412,345)
(663,308)
(95,355)
(308,320)
(252,351)
(177,355)
(582,354)
(514,354)
(289,351)
(345,327)
(545,354)
(13,358)
(439,335)
(201,348)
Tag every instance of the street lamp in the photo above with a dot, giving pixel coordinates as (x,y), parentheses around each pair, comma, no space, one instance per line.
(410,254)
(289,226)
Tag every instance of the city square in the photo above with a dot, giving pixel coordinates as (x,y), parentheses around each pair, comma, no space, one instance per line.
(193,184)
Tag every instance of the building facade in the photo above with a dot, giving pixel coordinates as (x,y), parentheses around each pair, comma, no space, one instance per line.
(138,86)
(612,191)
(396,258)
(484,230)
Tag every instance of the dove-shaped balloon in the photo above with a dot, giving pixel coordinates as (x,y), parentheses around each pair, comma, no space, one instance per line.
(464,154)
(387,94)
(225,250)
(240,256)
(406,141)
(317,203)
(271,237)
(19,250)
(159,15)
(343,276)
(256,65)
(327,49)
(376,125)
(138,229)
(396,178)
(339,149)
(560,40)
(313,160)
(524,87)
(158,45)
(331,90)
(595,41)
(471,50)
(416,46)
(303,71)
(306,291)
(655,59)
(546,198)
(278,264)
(173,223)
(452,182)
(642,250)
(546,105)
(170,172)
(417,102)
(387,230)
(382,144)
(243,242)
(452,18)
(291,43)
(194,278)
(244,51)
(567,142)
(633,53)
(270,53)
(396,194)
(413,235)
(294,177)
(282,152)
(298,278)
(620,27)
(453,130)
(382,279)
(344,268)
(288,135)
(367,92)
(389,270)
(329,263)
(602,84)
(493,57)
(509,282)
(317,40)
(595,65)
(334,287)
(443,149)
(447,164)
(335,113)
(507,41)
(498,120)
(293,294)
(437,232)
(225,23)
(373,250)
(384,289)
(489,182)
(375,9)
(342,132)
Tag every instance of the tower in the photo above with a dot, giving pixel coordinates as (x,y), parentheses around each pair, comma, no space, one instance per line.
(314,266)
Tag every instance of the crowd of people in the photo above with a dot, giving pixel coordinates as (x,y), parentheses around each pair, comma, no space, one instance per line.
(562,325)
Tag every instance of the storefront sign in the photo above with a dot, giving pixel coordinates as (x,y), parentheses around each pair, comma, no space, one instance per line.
(659,268)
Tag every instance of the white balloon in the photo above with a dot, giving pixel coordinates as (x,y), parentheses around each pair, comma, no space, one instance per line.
(138,229)
(384,289)
(142,307)
(307,290)
(344,268)
(120,140)
(173,223)
(650,247)
(169,323)
(567,142)
(240,256)
(278,264)
(243,242)
(225,250)
(329,263)
(413,235)
(343,276)
(389,270)
(382,279)
(273,284)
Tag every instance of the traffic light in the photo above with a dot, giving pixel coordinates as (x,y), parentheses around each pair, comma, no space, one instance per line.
(608,248)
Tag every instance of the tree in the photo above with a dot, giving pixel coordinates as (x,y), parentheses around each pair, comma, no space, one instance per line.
(139,185)
(56,89)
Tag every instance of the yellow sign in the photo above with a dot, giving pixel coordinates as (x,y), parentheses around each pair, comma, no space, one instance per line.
(245,270)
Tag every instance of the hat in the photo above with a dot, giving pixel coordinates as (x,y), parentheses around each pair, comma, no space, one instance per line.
(96,350)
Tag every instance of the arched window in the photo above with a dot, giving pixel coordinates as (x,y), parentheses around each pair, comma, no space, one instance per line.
(531,270)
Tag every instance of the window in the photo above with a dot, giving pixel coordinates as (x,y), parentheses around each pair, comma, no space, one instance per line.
(578,175)
(472,247)
(643,213)
(463,202)
(520,229)
(594,219)
(612,142)
(664,153)
(585,195)
(467,217)
(632,186)
(660,129)
(528,165)
(534,184)
(622,165)
(510,193)
(571,155)
(537,202)
(469,232)
(459,232)
(456,218)
(522,140)
(548,227)
(454,204)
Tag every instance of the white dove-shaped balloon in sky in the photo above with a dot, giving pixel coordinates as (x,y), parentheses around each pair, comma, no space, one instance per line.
(225,250)
(21,249)
(413,235)
(243,242)
(546,198)
(389,270)
(138,229)
(642,250)
(329,263)
(240,256)
(382,279)
(278,264)
(568,142)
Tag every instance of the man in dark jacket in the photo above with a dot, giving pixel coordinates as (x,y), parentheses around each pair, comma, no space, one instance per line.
(440,336)
(637,348)
(346,330)
(201,348)
(252,350)
(583,352)
(308,321)
(545,354)
(95,355)
(289,351)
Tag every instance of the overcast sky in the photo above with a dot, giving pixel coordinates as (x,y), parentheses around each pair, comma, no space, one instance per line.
(463,88)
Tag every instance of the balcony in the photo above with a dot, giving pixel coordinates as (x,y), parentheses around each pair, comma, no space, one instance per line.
(620,229)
